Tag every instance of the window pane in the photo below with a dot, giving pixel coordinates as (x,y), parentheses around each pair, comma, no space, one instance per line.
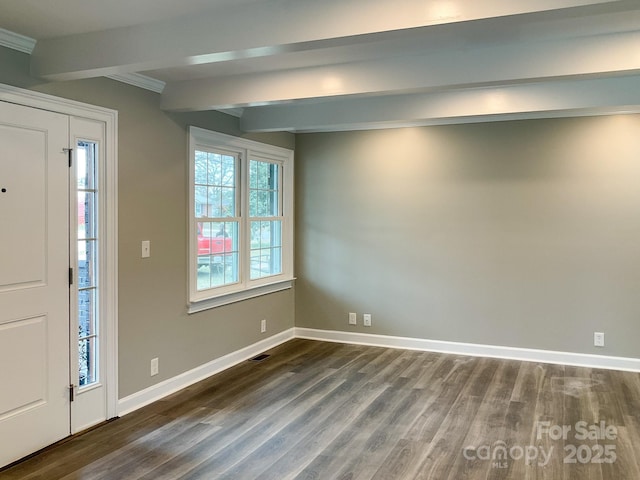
(86,154)
(273,204)
(87,361)
(217,254)
(255,264)
(266,243)
(263,175)
(253,203)
(265,262)
(265,234)
(86,263)
(263,207)
(214,169)
(201,205)
(86,214)
(86,312)
(215,185)
(228,202)
(231,273)
(275,234)
(228,171)
(214,201)
(201,168)
(253,174)
(264,193)
(276,260)
(87,260)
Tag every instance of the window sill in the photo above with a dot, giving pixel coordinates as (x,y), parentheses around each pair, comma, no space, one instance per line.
(234,297)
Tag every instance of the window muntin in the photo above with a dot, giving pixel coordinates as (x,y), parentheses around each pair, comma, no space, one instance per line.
(241,230)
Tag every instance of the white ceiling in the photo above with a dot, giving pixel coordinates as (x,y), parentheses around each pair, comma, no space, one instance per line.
(316,65)
(44,19)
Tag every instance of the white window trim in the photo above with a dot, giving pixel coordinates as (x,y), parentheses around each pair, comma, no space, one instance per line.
(201,139)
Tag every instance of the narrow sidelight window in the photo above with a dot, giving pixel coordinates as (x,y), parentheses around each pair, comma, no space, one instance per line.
(87,261)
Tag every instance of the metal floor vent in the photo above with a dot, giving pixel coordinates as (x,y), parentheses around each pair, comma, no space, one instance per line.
(259,358)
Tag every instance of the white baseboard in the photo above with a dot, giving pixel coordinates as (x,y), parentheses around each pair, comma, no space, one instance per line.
(172,385)
(477,350)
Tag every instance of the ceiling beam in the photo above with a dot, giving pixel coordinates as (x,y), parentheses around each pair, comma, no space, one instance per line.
(538,100)
(614,54)
(267,28)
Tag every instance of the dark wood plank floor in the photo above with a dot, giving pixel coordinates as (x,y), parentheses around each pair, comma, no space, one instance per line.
(317,410)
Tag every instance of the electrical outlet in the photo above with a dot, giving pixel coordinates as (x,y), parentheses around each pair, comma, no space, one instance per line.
(367,319)
(155,367)
(263,325)
(353,318)
(598,339)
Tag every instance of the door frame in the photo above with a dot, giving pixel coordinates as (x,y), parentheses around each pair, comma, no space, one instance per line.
(109,259)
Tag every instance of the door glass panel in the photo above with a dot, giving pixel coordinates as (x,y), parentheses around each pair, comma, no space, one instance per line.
(86,221)
(87,261)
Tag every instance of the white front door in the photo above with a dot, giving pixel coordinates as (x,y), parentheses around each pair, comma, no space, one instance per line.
(34,280)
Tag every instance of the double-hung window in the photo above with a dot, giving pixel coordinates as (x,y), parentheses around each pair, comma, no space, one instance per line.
(241,219)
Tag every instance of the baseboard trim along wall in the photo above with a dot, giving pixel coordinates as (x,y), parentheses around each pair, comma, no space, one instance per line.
(472,349)
(167,387)
(172,385)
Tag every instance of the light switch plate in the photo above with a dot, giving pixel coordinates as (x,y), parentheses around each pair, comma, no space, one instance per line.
(146,248)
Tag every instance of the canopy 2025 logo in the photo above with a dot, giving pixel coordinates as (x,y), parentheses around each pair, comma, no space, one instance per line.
(588,445)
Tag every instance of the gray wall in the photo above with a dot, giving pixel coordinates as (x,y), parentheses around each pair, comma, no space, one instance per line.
(152,206)
(517,233)
(523,234)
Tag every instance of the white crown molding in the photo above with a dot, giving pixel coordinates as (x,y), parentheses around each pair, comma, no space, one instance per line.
(25,44)
(16,41)
(472,349)
(139,80)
